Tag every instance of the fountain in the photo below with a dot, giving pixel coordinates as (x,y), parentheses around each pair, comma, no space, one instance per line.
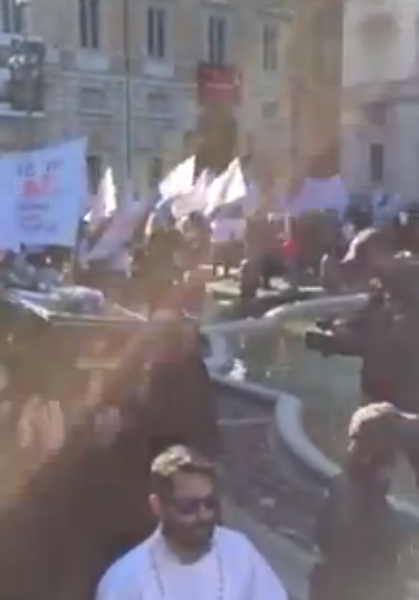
(273,355)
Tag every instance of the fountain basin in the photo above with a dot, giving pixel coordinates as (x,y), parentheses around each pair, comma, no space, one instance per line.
(316,395)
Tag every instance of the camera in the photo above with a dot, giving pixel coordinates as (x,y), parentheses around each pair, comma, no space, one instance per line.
(320,341)
(325,324)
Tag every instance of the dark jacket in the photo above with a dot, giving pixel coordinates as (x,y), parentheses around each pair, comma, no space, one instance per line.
(88,504)
(386,338)
(359,542)
(181,403)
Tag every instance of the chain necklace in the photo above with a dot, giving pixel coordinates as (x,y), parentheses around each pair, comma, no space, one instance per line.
(220,595)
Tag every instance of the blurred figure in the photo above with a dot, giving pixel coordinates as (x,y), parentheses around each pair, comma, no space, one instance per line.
(196,232)
(193,292)
(317,233)
(370,255)
(222,237)
(384,333)
(228,232)
(189,555)
(357,530)
(162,266)
(290,257)
(330,273)
(177,387)
(262,251)
(84,501)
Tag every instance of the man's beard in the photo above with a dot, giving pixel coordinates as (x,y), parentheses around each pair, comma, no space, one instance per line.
(195,538)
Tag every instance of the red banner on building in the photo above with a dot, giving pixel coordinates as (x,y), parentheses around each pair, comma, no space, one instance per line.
(218,85)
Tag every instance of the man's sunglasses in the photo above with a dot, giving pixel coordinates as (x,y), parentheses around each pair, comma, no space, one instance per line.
(191,506)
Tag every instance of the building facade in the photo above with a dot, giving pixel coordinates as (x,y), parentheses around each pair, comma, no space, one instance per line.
(380,123)
(149,81)
(314,78)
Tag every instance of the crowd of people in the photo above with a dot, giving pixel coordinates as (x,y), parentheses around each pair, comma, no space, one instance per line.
(128,507)
(167,253)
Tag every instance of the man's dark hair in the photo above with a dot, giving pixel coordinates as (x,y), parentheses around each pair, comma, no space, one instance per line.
(177,459)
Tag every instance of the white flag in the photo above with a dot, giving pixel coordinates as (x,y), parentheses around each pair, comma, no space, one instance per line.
(120,230)
(195,200)
(104,204)
(229,187)
(179,181)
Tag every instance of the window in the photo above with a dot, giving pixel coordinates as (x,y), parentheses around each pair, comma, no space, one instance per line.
(12,16)
(377,159)
(156,32)
(217,41)
(94,172)
(89,23)
(270,47)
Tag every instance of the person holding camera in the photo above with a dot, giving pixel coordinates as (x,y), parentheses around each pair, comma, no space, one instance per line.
(385,333)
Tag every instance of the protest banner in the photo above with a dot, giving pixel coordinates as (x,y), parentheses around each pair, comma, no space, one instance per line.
(48,188)
(9,234)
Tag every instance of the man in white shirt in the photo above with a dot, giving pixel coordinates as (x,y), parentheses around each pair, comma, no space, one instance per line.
(189,556)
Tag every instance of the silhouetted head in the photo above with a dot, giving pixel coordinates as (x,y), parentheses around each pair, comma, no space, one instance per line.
(373,444)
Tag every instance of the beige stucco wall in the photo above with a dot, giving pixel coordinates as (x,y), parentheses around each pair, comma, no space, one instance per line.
(86,89)
(380,40)
(381,63)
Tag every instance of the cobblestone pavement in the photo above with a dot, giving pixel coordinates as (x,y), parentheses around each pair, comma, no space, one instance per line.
(290,563)
(250,473)
(257,501)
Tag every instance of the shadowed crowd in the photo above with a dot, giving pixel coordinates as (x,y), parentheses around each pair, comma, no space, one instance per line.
(86,504)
